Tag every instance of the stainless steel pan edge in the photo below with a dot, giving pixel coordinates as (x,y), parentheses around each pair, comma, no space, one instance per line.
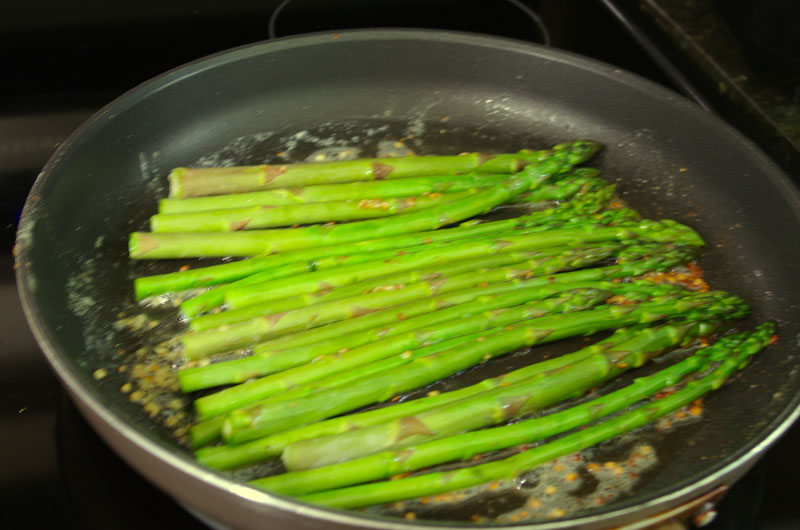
(214,495)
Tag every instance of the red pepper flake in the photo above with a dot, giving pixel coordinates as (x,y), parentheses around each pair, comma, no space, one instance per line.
(401,316)
(410,516)
(494,485)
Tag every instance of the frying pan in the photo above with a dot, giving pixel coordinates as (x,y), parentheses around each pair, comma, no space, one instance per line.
(442,93)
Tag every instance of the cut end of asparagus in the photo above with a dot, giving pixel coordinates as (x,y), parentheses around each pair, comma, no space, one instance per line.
(139,244)
(175,178)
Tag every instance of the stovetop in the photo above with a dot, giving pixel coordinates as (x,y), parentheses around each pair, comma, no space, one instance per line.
(54,470)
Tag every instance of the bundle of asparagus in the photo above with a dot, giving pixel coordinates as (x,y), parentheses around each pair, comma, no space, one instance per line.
(320,321)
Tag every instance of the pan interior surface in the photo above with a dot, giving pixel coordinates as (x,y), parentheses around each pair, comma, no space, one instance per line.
(436,93)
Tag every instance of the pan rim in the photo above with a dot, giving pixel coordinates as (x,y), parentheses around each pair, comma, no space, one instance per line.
(743,457)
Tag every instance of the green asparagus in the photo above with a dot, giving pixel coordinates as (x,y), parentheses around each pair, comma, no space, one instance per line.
(246,424)
(193,182)
(490,269)
(444,481)
(576,209)
(230,456)
(497,311)
(386,463)
(144,245)
(292,350)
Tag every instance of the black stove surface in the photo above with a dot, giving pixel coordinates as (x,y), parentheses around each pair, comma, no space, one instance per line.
(54,470)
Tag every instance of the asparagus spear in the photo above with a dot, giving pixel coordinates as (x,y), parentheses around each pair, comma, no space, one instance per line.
(288,351)
(487,408)
(440,482)
(660,231)
(484,269)
(158,246)
(352,376)
(246,424)
(253,217)
(358,360)
(498,311)
(589,203)
(379,189)
(236,335)
(385,463)
(215,297)
(230,456)
(193,182)
(579,179)
(444,481)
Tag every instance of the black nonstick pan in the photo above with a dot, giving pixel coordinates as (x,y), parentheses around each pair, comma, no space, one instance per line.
(438,93)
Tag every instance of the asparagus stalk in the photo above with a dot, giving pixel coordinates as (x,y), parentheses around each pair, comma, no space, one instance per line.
(216,297)
(193,182)
(660,231)
(379,189)
(444,481)
(498,311)
(353,376)
(383,463)
(242,425)
(578,180)
(487,408)
(158,246)
(484,269)
(231,456)
(589,203)
(246,424)
(209,430)
(241,334)
(253,217)
(289,351)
